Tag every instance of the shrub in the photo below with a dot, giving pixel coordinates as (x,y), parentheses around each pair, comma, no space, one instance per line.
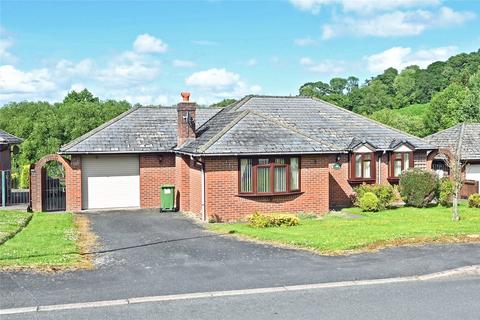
(418,187)
(446,192)
(385,194)
(258,220)
(474,200)
(369,202)
(25,177)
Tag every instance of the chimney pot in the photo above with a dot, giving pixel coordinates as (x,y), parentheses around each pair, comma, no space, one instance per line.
(186,96)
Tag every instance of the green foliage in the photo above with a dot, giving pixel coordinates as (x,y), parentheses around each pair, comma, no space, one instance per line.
(222,104)
(474,200)
(259,220)
(369,202)
(452,87)
(45,127)
(445,197)
(418,187)
(384,193)
(24,177)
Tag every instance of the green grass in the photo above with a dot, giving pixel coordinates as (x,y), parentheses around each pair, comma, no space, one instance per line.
(12,222)
(335,234)
(49,240)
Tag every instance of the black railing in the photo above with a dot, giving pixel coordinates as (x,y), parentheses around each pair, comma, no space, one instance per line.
(9,195)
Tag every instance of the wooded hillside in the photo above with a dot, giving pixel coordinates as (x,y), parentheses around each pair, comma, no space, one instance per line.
(439,96)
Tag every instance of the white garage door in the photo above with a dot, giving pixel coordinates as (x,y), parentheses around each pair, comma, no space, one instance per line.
(473,172)
(110,181)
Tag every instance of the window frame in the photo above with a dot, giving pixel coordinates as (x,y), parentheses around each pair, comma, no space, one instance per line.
(271,165)
(393,158)
(373,167)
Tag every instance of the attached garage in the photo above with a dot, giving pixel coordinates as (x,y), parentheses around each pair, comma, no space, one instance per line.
(473,172)
(110,181)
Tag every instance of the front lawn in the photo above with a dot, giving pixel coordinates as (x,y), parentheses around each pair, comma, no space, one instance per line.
(49,241)
(11,222)
(344,233)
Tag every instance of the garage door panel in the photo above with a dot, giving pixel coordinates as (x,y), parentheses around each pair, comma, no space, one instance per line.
(110,181)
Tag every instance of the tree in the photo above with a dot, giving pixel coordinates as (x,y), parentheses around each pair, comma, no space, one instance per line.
(456,166)
(222,104)
(338,85)
(405,85)
(455,104)
(374,98)
(45,126)
(82,96)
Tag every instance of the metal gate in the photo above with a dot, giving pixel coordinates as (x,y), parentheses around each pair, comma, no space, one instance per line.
(10,194)
(54,194)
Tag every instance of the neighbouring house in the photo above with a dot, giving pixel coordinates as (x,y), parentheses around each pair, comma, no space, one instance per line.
(262,153)
(465,138)
(7,140)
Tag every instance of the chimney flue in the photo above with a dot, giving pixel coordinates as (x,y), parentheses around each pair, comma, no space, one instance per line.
(186,96)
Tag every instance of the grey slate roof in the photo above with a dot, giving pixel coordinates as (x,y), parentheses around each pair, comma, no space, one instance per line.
(467,134)
(266,124)
(7,138)
(144,129)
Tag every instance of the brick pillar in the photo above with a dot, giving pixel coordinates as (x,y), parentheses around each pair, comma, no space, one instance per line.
(182,183)
(73,175)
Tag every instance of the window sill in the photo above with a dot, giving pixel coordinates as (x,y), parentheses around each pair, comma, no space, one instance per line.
(393,180)
(360,181)
(259,195)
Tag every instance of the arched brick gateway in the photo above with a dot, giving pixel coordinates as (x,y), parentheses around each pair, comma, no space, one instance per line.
(73,181)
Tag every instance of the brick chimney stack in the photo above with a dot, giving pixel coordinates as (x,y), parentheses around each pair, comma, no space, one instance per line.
(185,119)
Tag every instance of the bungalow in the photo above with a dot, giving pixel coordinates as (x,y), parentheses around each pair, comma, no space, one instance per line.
(466,139)
(262,153)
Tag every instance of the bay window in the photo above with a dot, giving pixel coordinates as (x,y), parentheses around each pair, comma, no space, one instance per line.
(363,166)
(399,162)
(269,175)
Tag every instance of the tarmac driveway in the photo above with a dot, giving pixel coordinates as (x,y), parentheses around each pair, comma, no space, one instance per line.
(147,253)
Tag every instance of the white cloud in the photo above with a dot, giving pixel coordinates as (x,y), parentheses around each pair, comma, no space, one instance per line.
(146,43)
(326,66)
(212,78)
(396,23)
(204,42)
(129,68)
(18,85)
(218,83)
(183,63)
(6,42)
(303,42)
(362,6)
(251,62)
(401,57)
(67,68)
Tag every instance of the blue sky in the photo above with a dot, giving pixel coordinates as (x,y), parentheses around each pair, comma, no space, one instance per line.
(149,51)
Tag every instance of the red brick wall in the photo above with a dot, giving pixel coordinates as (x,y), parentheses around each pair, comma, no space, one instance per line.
(195,188)
(155,170)
(182,182)
(222,201)
(340,190)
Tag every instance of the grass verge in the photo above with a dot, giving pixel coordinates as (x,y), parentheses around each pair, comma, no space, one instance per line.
(11,223)
(50,242)
(336,234)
